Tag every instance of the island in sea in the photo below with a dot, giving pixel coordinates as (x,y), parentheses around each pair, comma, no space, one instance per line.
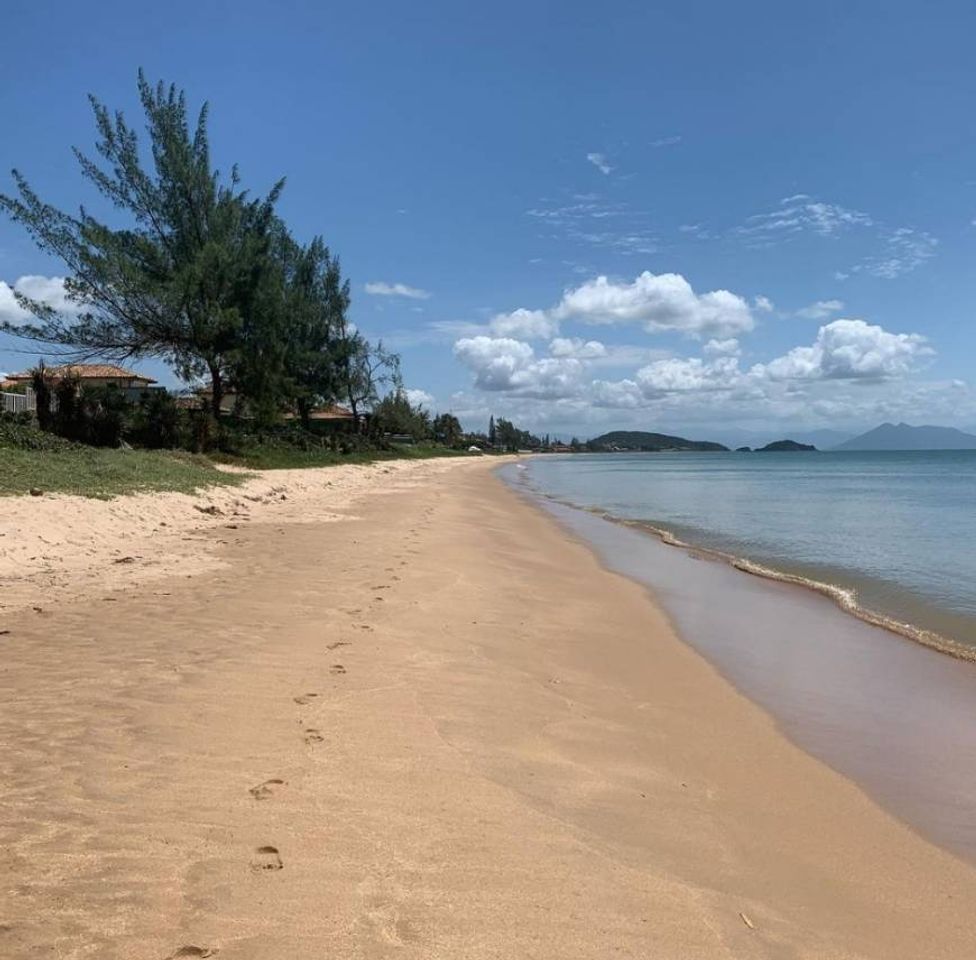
(641,441)
(786,446)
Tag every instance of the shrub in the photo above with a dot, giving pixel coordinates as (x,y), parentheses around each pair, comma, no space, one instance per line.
(155,421)
(18,431)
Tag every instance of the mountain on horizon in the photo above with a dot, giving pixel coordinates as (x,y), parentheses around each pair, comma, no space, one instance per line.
(903,436)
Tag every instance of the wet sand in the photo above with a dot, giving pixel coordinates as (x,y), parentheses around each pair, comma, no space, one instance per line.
(434,727)
(894,715)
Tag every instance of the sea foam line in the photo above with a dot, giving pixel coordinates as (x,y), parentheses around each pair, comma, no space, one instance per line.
(844,597)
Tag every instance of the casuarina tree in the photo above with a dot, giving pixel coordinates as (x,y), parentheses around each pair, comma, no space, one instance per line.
(185,278)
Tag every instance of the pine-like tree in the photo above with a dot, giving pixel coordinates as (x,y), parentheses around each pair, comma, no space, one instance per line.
(188,279)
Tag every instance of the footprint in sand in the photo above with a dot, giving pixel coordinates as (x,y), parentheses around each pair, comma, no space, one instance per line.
(313,736)
(336,644)
(265,790)
(305,698)
(192,951)
(337,668)
(266,858)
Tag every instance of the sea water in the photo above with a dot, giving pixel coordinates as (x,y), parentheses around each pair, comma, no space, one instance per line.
(895,533)
(880,707)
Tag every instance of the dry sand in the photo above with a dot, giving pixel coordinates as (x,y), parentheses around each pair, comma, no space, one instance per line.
(433,729)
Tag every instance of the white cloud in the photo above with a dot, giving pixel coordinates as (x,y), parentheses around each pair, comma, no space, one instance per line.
(905,249)
(691,374)
(665,142)
(49,290)
(589,218)
(722,348)
(802,213)
(763,304)
(578,348)
(419,398)
(379,288)
(507,365)
(599,161)
(820,310)
(849,350)
(525,324)
(663,302)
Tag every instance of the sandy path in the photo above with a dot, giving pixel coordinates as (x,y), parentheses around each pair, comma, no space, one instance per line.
(436,729)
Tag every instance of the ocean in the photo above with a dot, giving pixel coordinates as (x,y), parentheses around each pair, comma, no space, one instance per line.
(889,534)
(867,561)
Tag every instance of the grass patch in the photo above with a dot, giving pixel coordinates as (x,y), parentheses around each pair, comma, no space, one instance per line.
(273,457)
(99,473)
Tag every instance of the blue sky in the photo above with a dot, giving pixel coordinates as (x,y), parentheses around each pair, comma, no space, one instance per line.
(707,218)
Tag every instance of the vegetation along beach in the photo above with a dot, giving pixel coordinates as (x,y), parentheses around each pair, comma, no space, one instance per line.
(487,482)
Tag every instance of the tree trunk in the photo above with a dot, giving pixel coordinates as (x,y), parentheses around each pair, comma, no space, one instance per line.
(216,391)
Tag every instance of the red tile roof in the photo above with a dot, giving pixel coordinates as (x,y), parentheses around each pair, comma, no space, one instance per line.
(87,371)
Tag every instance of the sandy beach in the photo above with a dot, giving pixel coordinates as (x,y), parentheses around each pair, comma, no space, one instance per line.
(396,711)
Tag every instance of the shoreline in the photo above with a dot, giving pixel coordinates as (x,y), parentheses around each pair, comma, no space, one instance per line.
(434,726)
(845,598)
(900,725)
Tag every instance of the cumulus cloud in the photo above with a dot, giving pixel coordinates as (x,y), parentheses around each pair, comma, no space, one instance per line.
(820,310)
(48,290)
(379,288)
(504,364)
(662,302)
(722,348)
(599,161)
(419,398)
(525,324)
(763,304)
(849,350)
(578,348)
(688,374)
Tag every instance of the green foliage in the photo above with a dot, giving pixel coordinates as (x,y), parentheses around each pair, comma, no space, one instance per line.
(89,472)
(509,437)
(18,431)
(184,279)
(394,414)
(446,429)
(42,397)
(155,422)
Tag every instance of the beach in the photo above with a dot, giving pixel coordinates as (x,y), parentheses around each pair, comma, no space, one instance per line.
(398,711)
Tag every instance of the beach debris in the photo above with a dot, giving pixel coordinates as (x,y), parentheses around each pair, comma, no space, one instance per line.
(190,950)
(36,492)
(125,560)
(4,633)
(747,921)
(211,510)
(303,700)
